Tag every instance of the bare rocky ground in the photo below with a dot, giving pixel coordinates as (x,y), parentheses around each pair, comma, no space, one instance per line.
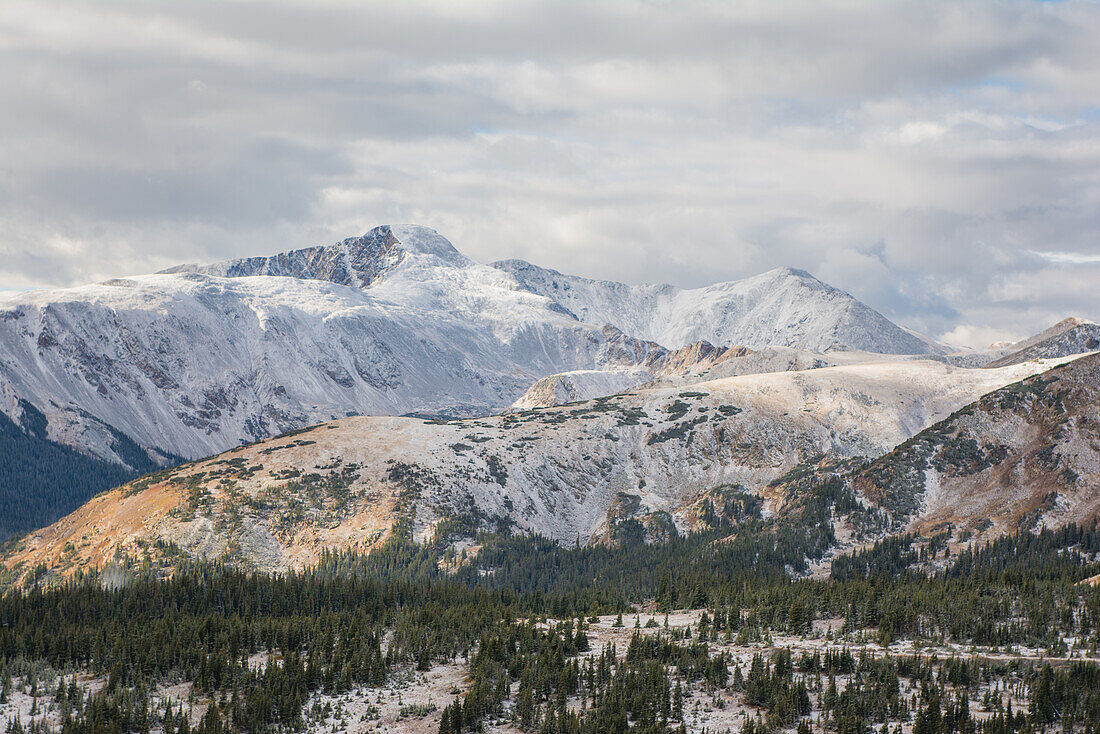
(42,708)
(411,701)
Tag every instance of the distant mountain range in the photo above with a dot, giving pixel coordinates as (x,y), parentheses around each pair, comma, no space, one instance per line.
(103,381)
(782,307)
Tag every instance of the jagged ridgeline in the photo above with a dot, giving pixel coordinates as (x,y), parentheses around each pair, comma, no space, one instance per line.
(198,359)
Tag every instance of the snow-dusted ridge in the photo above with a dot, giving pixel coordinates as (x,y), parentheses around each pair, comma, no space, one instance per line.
(356,261)
(393,322)
(197,359)
(1019,458)
(782,307)
(1066,337)
(697,365)
(566,472)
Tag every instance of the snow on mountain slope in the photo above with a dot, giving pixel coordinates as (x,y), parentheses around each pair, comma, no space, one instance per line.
(1070,336)
(201,357)
(192,363)
(782,307)
(566,472)
(197,359)
(1066,324)
(682,367)
(763,361)
(686,365)
(357,261)
(578,385)
(1023,456)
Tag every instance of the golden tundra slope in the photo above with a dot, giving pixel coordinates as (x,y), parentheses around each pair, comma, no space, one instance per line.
(564,472)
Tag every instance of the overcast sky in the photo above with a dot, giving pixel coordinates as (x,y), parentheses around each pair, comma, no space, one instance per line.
(940,161)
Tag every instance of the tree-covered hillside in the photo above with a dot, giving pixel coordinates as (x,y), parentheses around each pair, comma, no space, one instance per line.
(355,623)
(42,480)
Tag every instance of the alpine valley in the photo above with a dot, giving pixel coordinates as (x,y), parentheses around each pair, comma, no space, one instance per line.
(377,486)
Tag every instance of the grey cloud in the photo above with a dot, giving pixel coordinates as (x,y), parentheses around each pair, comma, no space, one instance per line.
(940,160)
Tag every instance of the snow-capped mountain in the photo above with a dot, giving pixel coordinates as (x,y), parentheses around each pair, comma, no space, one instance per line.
(194,360)
(782,307)
(201,358)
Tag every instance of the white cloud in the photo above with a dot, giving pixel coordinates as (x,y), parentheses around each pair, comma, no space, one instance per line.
(971,336)
(922,155)
(920,131)
(1074,258)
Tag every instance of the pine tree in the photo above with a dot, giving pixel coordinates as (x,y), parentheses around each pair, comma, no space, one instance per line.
(1042,709)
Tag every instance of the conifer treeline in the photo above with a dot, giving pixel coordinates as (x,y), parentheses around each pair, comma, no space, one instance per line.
(324,628)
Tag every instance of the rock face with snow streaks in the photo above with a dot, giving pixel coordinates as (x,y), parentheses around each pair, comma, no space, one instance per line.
(1069,336)
(1021,457)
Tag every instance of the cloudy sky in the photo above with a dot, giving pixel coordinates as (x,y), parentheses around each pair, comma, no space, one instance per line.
(940,161)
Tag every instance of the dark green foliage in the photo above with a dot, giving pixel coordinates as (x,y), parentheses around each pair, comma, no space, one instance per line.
(497,470)
(677,410)
(676,432)
(773,688)
(42,480)
(891,556)
(325,627)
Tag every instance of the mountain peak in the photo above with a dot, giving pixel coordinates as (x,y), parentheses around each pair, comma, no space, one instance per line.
(1068,336)
(356,261)
(426,241)
(788,271)
(784,306)
(785,275)
(1067,324)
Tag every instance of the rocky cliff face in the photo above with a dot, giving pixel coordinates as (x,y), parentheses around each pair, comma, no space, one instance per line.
(357,261)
